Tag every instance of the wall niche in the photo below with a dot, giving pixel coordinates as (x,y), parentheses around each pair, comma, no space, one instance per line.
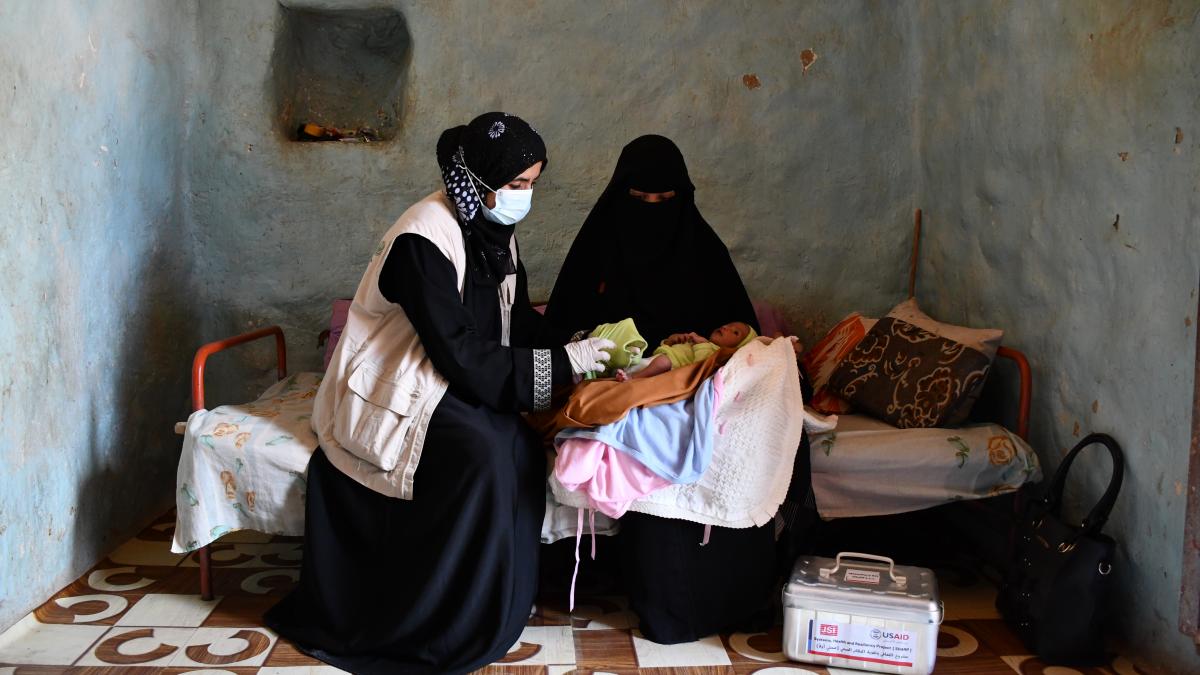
(342,69)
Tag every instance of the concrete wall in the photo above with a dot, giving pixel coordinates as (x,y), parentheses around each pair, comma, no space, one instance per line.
(808,175)
(93,289)
(1040,124)
(158,203)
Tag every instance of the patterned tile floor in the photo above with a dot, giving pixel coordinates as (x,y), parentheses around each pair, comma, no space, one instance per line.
(139,611)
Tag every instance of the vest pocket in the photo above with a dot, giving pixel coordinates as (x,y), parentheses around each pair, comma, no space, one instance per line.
(374,417)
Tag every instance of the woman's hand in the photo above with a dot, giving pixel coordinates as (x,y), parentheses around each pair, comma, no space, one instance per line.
(588,356)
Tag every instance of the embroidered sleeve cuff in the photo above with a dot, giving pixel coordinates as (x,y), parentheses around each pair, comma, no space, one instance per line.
(543,378)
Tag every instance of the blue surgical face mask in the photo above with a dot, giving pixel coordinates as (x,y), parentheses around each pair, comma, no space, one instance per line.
(511,206)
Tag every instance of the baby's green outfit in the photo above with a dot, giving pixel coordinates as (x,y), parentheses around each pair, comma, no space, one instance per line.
(630,345)
(687,353)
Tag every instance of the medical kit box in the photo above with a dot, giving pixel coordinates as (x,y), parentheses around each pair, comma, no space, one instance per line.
(862,611)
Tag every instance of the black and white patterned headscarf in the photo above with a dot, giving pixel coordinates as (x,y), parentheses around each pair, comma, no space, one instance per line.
(478,158)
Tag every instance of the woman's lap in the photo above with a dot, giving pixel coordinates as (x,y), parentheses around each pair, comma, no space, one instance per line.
(435,583)
(455,569)
(682,591)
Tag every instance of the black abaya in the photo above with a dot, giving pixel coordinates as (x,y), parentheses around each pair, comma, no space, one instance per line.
(443,583)
(682,591)
(625,254)
(661,264)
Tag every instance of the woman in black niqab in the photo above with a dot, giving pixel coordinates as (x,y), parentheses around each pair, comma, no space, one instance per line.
(662,264)
(659,263)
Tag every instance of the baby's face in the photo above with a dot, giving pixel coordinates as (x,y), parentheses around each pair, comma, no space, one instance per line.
(730,335)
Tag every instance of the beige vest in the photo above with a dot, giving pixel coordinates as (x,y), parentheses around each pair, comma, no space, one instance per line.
(373,407)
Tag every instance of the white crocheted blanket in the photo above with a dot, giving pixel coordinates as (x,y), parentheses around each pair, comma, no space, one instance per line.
(759,423)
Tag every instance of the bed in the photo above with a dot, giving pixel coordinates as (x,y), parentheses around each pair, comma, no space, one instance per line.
(242,467)
(865,467)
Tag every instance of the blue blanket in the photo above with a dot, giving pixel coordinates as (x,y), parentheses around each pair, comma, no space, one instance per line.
(674,440)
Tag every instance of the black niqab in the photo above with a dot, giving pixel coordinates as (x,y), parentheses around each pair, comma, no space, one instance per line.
(660,263)
(478,158)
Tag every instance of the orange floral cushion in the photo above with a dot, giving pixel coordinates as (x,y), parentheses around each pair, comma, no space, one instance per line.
(820,361)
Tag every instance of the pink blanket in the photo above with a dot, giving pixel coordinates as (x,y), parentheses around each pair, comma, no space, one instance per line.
(610,479)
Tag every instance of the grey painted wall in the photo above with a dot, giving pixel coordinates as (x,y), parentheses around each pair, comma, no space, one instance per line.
(1040,123)
(198,218)
(796,170)
(157,204)
(94,299)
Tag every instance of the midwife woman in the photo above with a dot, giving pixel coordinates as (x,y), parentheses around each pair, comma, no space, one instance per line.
(426,496)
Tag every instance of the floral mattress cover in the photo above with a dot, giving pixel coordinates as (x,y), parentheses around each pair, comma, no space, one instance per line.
(243,467)
(865,467)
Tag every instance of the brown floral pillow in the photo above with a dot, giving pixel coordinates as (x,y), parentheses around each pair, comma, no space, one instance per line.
(907,376)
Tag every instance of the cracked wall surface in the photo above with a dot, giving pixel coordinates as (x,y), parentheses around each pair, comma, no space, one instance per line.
(1060,177)
(794,119)
(158,203)
(97,312)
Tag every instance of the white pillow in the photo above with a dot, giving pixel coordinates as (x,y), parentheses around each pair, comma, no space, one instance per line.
(984,340)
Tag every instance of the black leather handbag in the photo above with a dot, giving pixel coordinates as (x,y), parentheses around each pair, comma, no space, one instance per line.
(1055,593)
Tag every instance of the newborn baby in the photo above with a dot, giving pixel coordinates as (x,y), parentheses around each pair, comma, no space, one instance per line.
(683,349)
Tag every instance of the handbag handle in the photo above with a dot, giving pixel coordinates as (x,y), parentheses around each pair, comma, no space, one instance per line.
(1099,513)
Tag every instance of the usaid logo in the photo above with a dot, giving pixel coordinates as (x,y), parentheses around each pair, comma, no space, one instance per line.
(829,629)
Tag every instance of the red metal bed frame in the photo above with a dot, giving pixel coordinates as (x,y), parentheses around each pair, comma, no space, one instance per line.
(1025,378)
(198,363)
(202,354)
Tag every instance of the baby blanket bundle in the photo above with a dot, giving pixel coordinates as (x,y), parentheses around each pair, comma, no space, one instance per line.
(756,418)
(648,449)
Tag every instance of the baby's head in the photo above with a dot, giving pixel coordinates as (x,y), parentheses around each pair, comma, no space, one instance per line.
(733,335)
